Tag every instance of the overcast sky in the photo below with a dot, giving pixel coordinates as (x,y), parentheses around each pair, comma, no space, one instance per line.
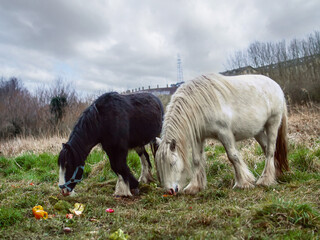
(104,45)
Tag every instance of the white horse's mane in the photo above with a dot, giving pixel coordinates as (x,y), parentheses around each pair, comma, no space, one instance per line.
(187,110)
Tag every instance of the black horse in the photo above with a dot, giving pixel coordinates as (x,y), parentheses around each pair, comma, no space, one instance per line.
(119,123)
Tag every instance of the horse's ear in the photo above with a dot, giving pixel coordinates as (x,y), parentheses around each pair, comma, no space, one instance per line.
(158,141)
(66,146)
(173,145)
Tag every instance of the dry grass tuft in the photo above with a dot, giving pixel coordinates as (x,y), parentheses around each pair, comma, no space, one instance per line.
(97,168)
(304,124)
(20,145)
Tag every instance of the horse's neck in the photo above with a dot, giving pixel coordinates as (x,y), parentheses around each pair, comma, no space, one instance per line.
(82,145)
(184,129)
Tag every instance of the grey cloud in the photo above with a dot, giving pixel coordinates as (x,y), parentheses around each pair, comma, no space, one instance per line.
(115,45)
(53,27)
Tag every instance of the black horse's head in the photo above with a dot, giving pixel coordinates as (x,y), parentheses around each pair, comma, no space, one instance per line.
(70,172)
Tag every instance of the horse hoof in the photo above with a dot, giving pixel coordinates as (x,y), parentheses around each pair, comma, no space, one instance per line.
(246,185)
(191,191)
(266,182)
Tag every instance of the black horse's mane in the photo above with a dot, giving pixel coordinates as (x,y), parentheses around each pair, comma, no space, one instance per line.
(84,130)
(87,123)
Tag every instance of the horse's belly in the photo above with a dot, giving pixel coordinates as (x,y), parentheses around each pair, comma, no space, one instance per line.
(239,134)
(248,129)
(241,129)
(144,131)
(242,124)
(242,135)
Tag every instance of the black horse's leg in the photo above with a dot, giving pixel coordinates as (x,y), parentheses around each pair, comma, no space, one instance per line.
(145,176)
(126,181)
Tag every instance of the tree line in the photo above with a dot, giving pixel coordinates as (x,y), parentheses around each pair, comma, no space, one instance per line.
(294,65)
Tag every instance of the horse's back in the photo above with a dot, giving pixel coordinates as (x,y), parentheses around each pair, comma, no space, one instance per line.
(256,85)
(258,91)
(145,118)
(133,120)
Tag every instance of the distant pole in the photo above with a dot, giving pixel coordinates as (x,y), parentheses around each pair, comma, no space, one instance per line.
(179,69)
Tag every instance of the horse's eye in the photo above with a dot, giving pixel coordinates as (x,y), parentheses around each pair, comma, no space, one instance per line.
(172,163)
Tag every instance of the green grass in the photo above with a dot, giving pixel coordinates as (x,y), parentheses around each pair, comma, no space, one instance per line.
(288,210)
(297,220)
(31,167)
(304,159)
(9,216)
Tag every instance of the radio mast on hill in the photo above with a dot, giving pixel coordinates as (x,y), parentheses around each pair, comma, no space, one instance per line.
(179,69)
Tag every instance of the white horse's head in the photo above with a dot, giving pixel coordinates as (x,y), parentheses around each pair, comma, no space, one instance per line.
(170,166)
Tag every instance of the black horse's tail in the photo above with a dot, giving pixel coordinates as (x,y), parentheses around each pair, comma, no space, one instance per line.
(154,147)
(147,157)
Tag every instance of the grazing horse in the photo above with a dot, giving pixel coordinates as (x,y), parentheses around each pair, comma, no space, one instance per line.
(118,123)
(228,109)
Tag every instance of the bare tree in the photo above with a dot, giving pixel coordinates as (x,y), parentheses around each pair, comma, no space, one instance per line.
(294,65)
(22,113)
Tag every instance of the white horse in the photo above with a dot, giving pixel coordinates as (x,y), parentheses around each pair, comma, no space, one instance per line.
(228,109)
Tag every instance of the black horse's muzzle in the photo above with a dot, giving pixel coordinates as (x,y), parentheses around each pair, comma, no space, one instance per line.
(72,180)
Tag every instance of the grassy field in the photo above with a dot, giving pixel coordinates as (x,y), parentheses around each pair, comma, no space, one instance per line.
(288,210)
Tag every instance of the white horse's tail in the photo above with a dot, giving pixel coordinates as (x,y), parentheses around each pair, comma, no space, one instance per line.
(281,153)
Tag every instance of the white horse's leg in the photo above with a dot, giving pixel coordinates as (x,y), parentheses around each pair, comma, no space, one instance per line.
(199,178)
(262,140)
(244,178)
(268,176)
(145,176)
(122,188)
